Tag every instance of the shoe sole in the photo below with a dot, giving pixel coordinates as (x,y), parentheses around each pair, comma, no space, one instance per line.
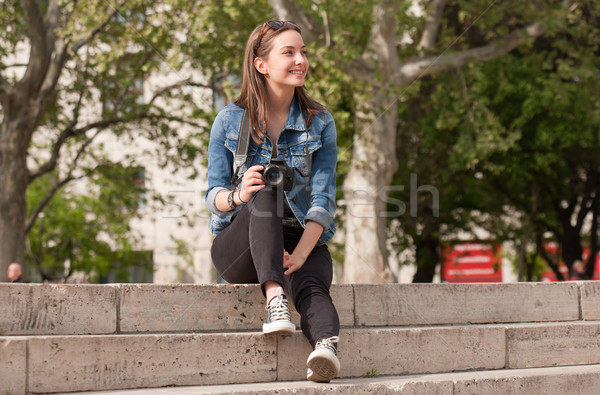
(324,369)
(313,376)
(289,328)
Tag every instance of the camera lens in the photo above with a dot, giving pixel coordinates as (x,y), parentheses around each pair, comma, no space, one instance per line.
(273,177)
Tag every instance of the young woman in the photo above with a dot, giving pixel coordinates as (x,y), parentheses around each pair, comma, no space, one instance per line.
(276,236)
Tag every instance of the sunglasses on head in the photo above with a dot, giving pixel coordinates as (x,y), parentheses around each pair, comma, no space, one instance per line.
(275,25)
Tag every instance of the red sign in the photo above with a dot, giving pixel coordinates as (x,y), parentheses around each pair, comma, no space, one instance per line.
(472,262)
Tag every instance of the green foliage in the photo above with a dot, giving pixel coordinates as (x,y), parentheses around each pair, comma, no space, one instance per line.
(113,84)
(519,132)
(507,142)
(529,133)
(535,266)
(86,231)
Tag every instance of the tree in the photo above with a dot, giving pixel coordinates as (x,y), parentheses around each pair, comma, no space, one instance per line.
(72,71)
(525,125)
(449,35)
(550,171)
(85,232)
(439,196)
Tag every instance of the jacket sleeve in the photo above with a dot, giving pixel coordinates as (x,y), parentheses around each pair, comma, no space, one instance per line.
(323,188)
(220,161)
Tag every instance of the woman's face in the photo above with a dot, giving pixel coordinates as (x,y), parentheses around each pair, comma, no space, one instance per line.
(286,64)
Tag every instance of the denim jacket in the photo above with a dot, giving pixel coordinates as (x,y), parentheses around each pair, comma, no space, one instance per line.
(313,195)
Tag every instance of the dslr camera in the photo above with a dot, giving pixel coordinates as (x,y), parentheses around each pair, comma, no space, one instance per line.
(277,174)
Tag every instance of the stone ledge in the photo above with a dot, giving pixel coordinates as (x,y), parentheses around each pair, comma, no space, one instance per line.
(137,361)
(207,307)
(554,344)
(105,362)
(82,363)
(401,350)
(423,304)
(583,380)
(42,309)
(13,365)
(51,309)
(590,300)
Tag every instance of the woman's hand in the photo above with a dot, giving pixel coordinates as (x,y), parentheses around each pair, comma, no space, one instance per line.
(252,181)
(292,262)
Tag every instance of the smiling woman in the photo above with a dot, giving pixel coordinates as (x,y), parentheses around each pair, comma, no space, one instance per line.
(271,235)
(284,68)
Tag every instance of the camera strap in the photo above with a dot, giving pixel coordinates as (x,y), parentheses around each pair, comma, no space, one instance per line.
(241,152)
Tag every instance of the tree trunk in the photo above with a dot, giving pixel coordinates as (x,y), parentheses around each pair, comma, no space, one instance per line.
(427,249)
(14,177)
(365,193)
(541,249)
(590,264)
(374,155)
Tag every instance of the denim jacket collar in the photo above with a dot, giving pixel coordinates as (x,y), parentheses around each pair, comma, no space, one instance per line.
(295,119)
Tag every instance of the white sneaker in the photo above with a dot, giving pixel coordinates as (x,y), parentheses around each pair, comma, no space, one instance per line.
(278,316)
(323,363)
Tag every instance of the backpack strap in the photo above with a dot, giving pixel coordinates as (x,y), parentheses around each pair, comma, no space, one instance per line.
(241,153)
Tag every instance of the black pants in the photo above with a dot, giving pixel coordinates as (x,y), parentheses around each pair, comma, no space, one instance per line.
(250,250)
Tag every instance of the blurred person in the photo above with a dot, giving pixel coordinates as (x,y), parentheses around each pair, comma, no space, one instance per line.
(15,273)
(578,271)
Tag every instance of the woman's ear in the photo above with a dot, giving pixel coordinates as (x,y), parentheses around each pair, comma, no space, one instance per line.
(260,66)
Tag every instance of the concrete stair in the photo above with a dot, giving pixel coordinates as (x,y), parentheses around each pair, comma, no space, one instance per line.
(417,338)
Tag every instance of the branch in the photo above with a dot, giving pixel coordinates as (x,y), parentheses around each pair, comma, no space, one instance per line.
(584,208)
(64,135)
(326,29)
(589,199)
(5,90)
(175,85)
(553,229)
(70,132)
(432,25)
(63,50)
(51,22)
(593,237)
(60,184)
(67,133)
(176,119)
(58,54)
(553,265)
(426,66)
(38,53)
(34,216)
(467,101)
(289,10)
(85,40)
(381,48)
(54,70)
(8,66)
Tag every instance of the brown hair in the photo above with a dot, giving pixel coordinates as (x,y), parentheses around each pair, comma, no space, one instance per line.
(254,85)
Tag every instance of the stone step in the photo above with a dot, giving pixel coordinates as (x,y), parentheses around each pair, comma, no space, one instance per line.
(582,380)
(42,309)
(106,362)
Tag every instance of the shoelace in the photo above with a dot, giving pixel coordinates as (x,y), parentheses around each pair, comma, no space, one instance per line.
(328,343)
(278,309)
